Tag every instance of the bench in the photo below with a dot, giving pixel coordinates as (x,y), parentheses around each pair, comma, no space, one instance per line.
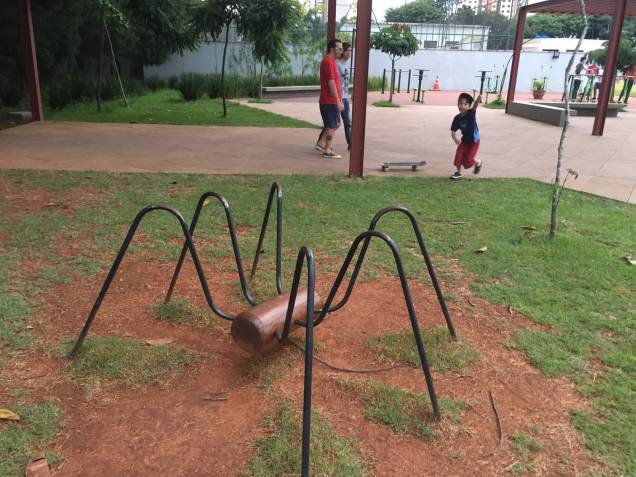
(539,112)
(279,91)
(588,109)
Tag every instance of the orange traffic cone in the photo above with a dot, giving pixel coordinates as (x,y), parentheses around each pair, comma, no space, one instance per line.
(436,84)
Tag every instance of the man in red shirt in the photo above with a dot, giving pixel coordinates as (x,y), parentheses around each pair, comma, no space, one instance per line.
(330,98)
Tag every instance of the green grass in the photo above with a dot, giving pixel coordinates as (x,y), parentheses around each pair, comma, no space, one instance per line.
(268,368)
(126,360)
(385,103)
(496,104)
(181,311)
(525,448)
(279,453)
(577,285)
(167,107)
(18,440)
(403,412)
(443,353)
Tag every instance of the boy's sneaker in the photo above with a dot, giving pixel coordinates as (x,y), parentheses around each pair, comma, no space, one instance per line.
(456,175)
(319,148)
(331,155)
(477,168)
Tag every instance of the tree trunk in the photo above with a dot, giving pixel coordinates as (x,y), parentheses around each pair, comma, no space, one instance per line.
(556,187)
(227,37)
(392,80)
(98,95)
(260,87)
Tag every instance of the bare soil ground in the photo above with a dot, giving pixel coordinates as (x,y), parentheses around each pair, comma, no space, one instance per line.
(170,429)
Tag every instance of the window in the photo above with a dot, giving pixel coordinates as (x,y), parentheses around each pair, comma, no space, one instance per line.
(430,44)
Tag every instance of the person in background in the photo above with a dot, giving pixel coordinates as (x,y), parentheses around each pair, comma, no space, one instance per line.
(330,101)
(628,81)
(579,71)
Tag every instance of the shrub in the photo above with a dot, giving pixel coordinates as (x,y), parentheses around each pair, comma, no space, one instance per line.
(60,94)
(191,86)
(375,83)
(173,82)
(236,86)
(154,83)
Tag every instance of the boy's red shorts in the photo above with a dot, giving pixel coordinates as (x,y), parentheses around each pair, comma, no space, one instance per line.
(465,155)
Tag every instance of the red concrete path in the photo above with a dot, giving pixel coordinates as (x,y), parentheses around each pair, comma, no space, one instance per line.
(511,146)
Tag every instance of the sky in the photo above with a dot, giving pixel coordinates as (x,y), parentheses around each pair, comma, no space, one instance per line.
(380,6)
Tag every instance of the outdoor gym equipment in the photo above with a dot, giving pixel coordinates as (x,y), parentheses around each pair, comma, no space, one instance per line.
(269,324)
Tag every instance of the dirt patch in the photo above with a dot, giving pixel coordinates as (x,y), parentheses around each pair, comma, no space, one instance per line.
(172,430)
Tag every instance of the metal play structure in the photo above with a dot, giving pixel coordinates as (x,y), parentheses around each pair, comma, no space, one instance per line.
(267,325)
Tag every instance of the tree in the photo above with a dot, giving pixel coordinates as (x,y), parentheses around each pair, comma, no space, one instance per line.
(557,187)
(419,11)
(265,23)
(626,55)
(396,41)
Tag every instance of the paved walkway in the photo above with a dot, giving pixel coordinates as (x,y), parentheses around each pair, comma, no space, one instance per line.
(511,146)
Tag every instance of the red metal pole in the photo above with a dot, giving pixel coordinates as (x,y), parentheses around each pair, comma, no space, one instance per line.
(361,74)
(30,59)
(516,56)
(610,67)
(331,20)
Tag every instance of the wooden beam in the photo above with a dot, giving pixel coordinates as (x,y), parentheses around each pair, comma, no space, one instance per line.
(30,59)
(361,74)
(610,67)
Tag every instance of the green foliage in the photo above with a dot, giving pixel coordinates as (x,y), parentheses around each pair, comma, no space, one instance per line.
(587,317)
(126,360)
(403,412)
(180,310)
(385,104)
(375,83)
(626,53)
(191,86)
(18,440)
(525,448)
(279,453)
(268,368)
(498,103)
(67,34)
(154,83)
(235,86)
(396,41)
(443,352)
(419,11)
(265,23)
(567,26)
(168,107)
(538,84)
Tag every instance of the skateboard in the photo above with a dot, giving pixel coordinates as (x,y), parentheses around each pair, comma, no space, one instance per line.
(385,166)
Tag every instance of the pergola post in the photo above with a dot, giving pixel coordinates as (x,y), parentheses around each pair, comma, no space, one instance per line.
(359,116)
(30,59)
(610,67)
(331,20)
(516,56)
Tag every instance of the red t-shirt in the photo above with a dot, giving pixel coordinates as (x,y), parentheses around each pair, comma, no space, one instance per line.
(329,70)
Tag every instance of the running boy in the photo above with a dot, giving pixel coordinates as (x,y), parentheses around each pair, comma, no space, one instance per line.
(467,147)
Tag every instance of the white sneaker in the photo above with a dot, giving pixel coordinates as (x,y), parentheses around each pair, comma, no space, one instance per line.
(319,148)
(331,155)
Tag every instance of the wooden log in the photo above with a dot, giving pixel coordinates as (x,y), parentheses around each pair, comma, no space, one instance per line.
(254,330)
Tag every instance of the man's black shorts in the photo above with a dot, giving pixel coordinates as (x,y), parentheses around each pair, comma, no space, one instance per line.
(330,115)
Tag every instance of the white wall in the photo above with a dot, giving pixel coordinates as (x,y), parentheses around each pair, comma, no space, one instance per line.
(457,69)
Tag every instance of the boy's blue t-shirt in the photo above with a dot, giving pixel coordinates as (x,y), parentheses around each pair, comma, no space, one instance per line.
(468,126)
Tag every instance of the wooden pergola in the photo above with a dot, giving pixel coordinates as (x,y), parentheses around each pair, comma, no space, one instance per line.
(618,9)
